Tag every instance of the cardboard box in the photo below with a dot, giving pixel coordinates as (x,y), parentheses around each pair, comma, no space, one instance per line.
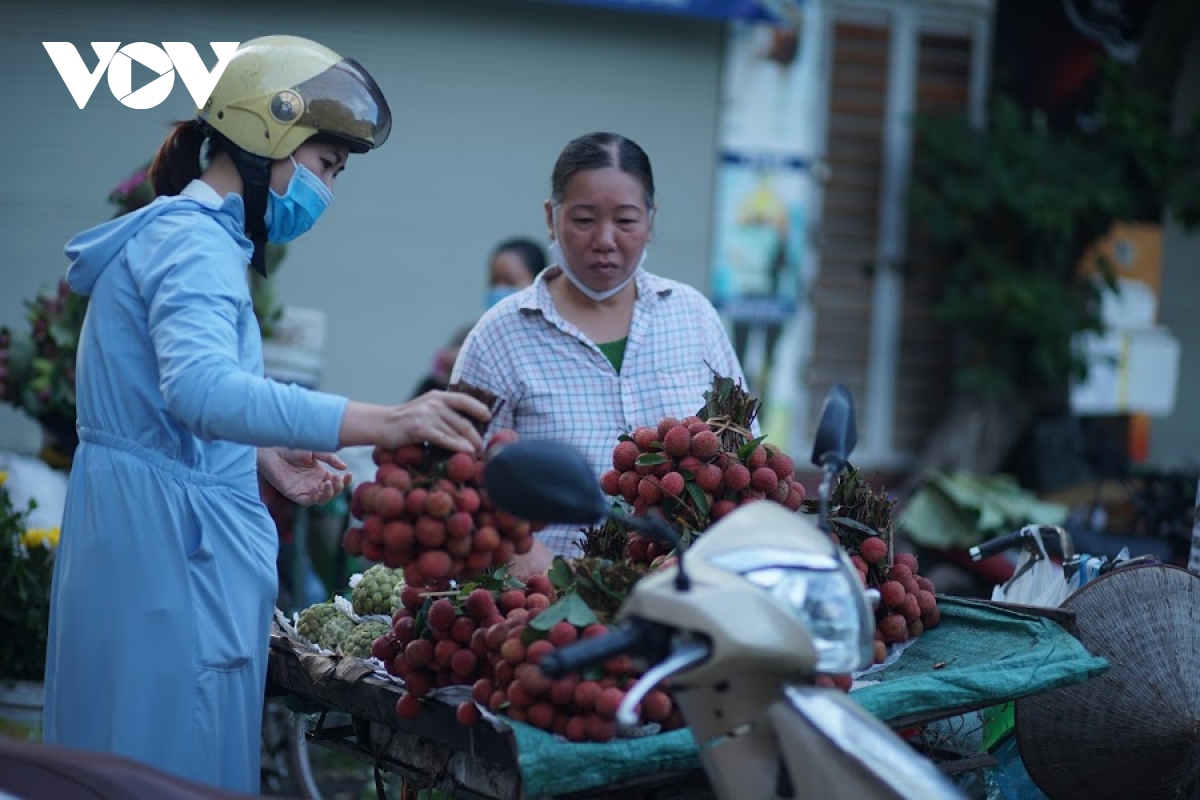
(1132,371)
(1135,251)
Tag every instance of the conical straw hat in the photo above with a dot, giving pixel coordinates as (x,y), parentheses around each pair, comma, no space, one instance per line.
(1133,731)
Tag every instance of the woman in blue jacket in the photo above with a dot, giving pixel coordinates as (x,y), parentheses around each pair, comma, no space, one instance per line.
(165,581)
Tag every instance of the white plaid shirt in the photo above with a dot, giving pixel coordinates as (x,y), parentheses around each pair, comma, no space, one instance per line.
(556,384)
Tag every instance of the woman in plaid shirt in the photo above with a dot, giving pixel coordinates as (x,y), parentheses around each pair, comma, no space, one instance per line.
(597,346)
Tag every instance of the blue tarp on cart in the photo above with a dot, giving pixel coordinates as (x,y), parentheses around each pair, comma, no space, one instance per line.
(978,656)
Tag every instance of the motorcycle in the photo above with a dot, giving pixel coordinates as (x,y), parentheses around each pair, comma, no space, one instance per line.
(741,625)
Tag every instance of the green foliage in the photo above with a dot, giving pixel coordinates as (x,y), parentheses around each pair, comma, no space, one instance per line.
(26,566)
(1014,205)
(39,365)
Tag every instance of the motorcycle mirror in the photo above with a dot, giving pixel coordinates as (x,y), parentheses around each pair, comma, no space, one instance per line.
(836,432)
(544,481)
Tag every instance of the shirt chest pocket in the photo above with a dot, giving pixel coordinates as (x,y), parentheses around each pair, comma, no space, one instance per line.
(680,391)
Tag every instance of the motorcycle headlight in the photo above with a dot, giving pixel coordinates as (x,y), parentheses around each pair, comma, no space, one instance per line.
(824,594)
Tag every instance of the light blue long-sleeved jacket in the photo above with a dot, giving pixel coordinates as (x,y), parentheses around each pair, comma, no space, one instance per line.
(165,579)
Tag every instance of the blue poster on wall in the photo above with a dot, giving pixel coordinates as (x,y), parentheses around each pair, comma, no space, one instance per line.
(750,10)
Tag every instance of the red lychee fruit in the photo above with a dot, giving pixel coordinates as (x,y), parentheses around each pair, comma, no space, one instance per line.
(705,445)
(410,455)
(709,477)
(656,706)
(610,482)
(677,442)
(562,634)
(757,458)
(892,594)
(418,653)
(764,479)
(408,706)
(538,650)
(721,508)
(441,614)
(513,598)
(625,456)
(664,425)
(737,477)
(608,701)
(644,437)
(414,502)
(352,542)
(894,628)
(434,564)
(460,467)
(873,550)
(673,484)
(540,584)
(466,499)
(648,490)
(430,532)
(782,465)
(439,504)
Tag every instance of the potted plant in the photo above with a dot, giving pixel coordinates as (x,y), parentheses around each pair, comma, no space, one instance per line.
(25,572)
(37,369)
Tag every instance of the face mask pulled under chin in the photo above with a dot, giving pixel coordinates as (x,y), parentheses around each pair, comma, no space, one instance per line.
(293,214)
(558,257)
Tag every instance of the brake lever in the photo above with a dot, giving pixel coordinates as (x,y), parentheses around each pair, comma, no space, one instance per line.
(687,655)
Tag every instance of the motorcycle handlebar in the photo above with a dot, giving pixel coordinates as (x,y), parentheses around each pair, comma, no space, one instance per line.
(633,637)
(998,545)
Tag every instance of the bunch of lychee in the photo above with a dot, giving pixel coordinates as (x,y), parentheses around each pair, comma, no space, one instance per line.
(907,603)
(483,639)
(427,511)
(681,468)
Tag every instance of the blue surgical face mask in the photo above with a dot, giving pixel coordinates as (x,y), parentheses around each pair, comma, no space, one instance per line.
(293,214)
(497,293)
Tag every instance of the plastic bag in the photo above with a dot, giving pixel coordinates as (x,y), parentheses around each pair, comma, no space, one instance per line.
(1008,779)
(1037,581)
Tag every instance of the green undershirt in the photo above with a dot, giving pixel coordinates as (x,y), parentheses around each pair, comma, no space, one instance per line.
(614,352)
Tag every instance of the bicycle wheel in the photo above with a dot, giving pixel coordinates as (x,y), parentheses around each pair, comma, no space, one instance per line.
(320,773)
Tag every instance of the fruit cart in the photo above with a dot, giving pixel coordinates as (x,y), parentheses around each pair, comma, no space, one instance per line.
(981,654)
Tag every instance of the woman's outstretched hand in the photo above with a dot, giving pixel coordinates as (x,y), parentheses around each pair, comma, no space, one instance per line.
(303,476)
(441,418)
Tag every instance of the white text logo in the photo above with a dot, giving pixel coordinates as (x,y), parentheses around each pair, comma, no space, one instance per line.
(165,61)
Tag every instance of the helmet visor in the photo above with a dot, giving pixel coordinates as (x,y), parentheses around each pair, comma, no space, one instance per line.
(345,102)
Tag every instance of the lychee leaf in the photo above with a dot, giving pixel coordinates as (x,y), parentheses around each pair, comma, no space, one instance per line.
(687,474)
(656,445)
(697,495)
(420,624)
(530,634)
(578,612)
(624,437)
(853,524)
(560,574)
(651,459)
(749,447)
(550,617)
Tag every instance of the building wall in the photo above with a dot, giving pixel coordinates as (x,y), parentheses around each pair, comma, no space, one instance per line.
(1176,438)
(484,95)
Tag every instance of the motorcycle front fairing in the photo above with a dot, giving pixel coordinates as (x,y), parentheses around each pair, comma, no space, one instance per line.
(866,759)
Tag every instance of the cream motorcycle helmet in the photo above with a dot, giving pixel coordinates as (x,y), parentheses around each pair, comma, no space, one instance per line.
(276,93)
